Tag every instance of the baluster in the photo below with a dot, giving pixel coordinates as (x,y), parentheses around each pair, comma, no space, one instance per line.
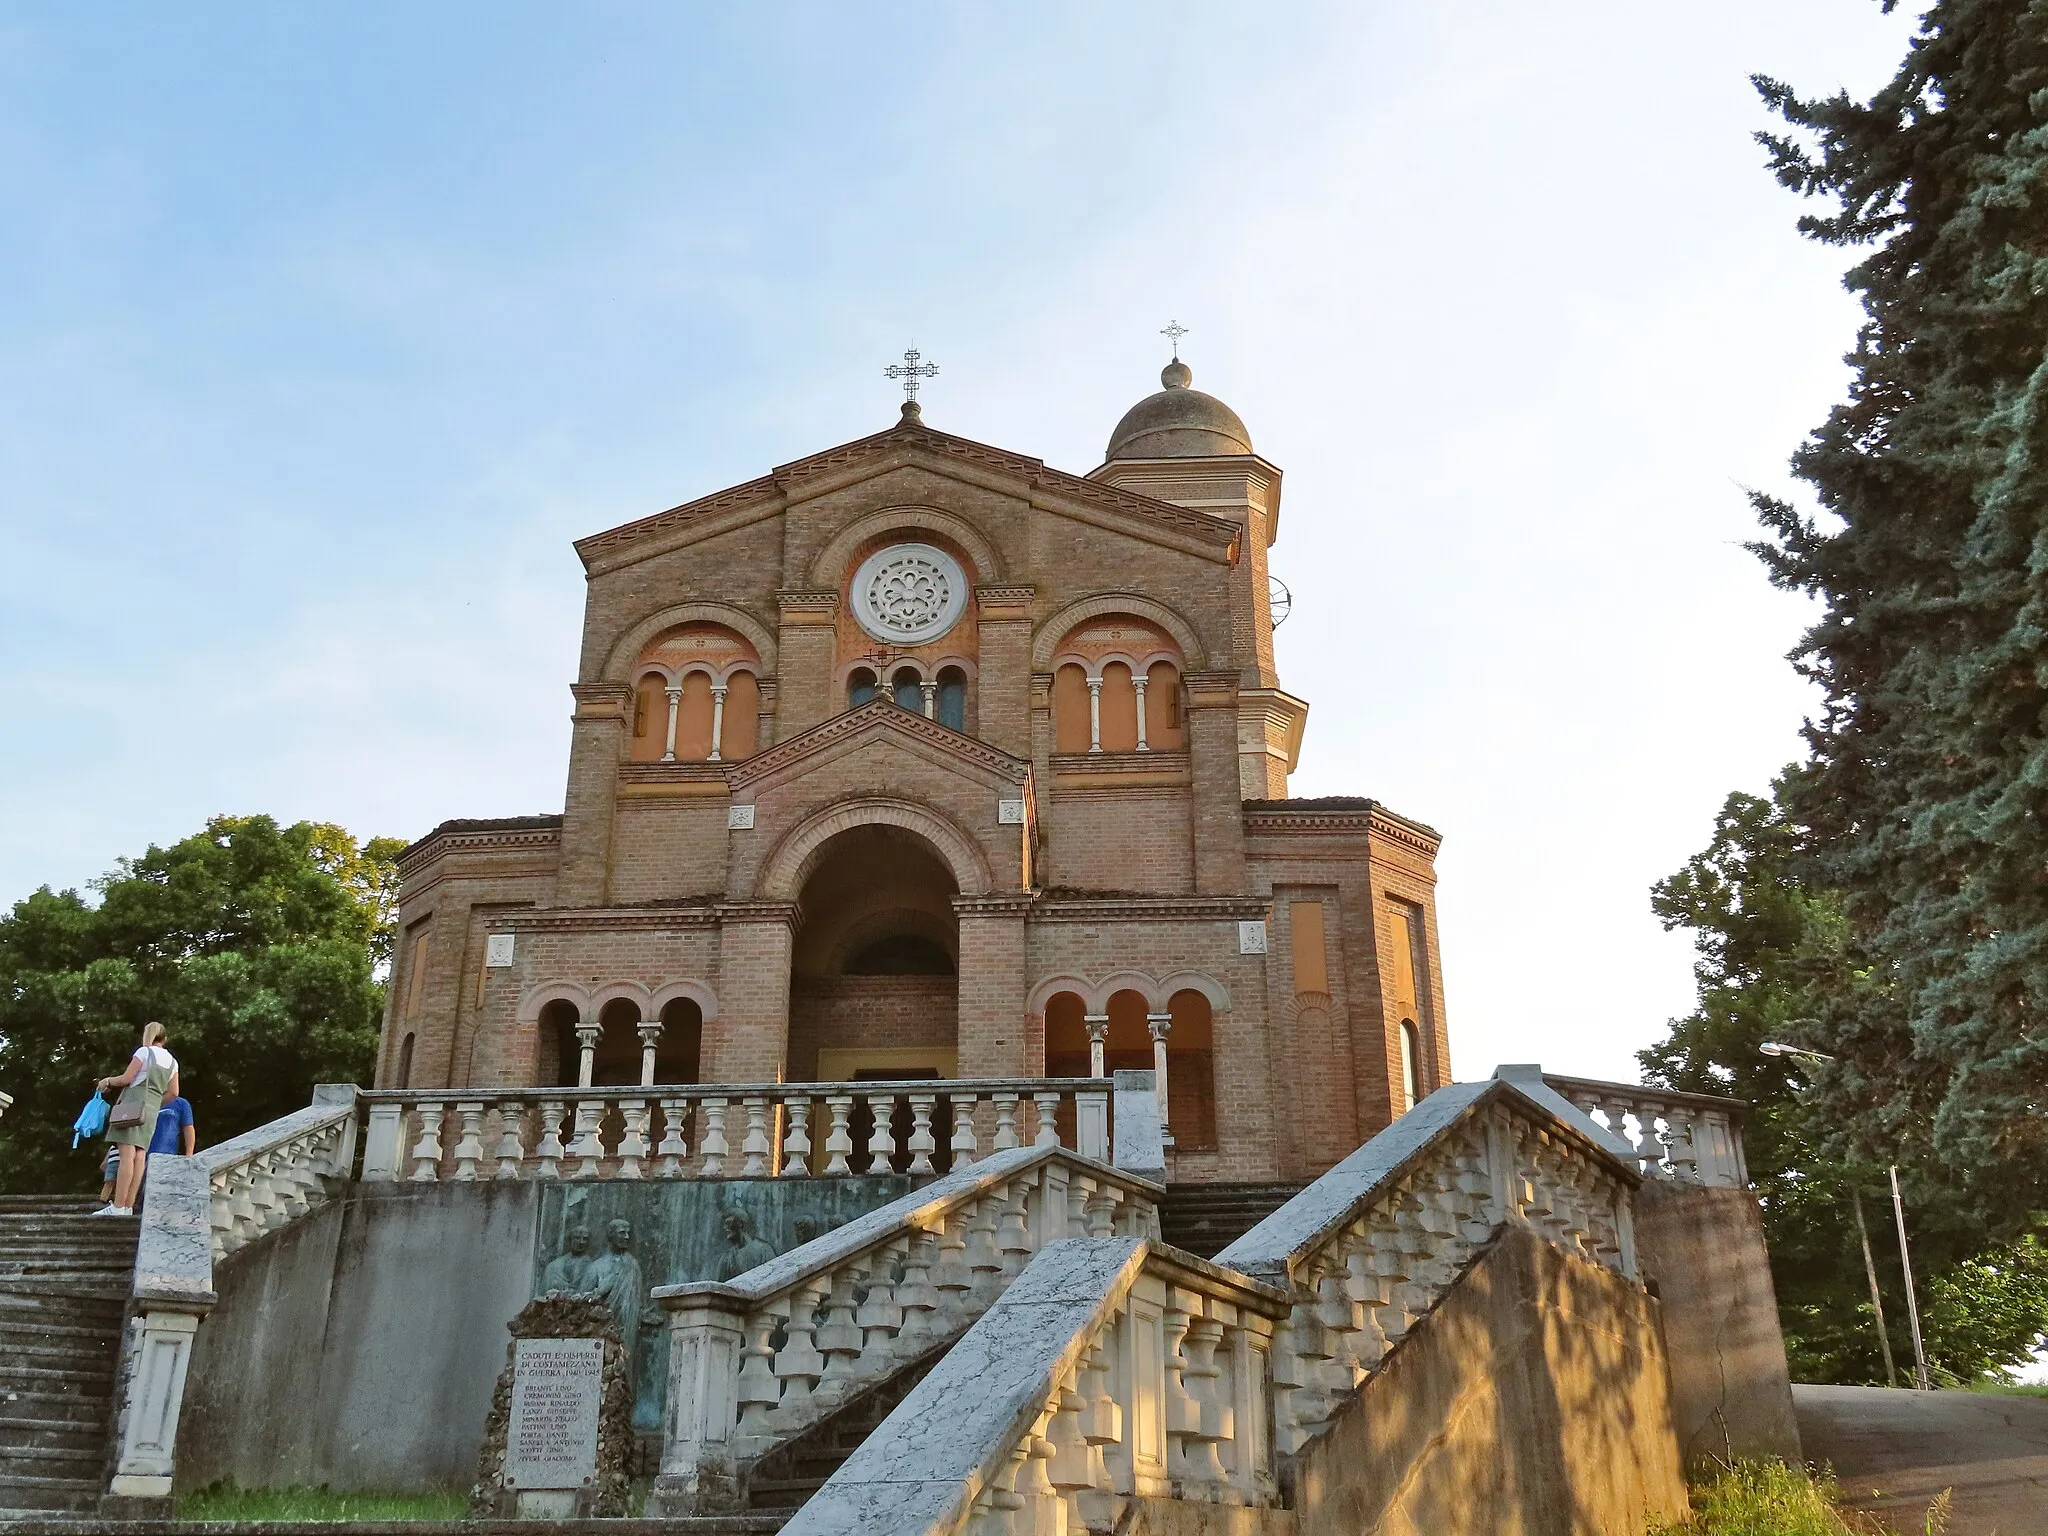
(984,1261)
(1076,1466)
(1299,1362)
(953,1279)
(511,1144)
(1013,1234)
(916,1298)
(1080,1190)
(469,1147)
(586,1146)
(882,1139)
(1102,1210)
(965,1146)
(1102,1424)
(548,1152)
(799,1365)
(711,1138)
(1476,1186)
(1215,1418)
(881,1311)
(839,1337)
(673,1149)
(1038,1502)
(632,1137)
(220,1209)
(756,1146)
(796,1146)
(921,1143)
(1006,1121)
(759,1389)
(426,1152)
(1343,1325)
(1183,1414)
(1390,1264)
(838,1140)
(1367,1293)
(1685,1160)
(1047,1131)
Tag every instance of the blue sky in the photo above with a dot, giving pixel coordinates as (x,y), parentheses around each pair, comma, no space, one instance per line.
(324,330)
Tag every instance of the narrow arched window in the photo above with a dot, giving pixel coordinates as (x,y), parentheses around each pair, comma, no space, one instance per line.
(1411,1054)
(405,1061)
(1163,728)
(953,699)
(740,723)
(861,687)
(907,689)
(1119,709)
(1070,709)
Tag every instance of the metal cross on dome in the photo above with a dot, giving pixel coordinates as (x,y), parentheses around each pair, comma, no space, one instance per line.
(913,370)
(1173,333)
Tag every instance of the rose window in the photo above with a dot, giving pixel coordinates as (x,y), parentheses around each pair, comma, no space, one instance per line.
(909,593)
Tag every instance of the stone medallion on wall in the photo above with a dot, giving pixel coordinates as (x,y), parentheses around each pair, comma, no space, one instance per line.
(909,594)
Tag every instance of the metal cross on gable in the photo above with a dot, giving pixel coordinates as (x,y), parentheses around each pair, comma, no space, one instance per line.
(913,370)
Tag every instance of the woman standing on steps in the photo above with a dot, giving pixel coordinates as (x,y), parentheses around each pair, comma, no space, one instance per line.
(152,1077)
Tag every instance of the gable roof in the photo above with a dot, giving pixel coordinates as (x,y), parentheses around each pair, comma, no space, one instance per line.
(1033,479)
(879,716)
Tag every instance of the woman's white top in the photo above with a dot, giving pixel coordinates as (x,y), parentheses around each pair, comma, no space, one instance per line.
(155,1056)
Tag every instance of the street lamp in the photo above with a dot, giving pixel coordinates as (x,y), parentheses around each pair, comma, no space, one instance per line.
(1801,1053)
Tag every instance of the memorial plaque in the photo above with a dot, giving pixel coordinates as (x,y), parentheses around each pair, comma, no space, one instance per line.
(557,1390)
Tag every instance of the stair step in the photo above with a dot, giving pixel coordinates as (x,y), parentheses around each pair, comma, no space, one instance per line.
(89,1410)
(49,1461)
(17,1330)
(26,1378)
(49,1493)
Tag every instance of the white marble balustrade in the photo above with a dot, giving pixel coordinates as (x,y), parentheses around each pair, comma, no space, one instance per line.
(754,1362)
(1692,1138)
(724,1131)
(1113,1369)
(265,1178)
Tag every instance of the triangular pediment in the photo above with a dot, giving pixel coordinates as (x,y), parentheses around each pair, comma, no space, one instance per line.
(910,443)
(874,723)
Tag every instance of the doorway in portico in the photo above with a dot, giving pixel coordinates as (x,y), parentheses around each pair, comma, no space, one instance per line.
(874,974)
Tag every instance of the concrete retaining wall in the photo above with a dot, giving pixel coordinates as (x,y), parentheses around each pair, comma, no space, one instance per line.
(1534,1400)
(1731,1394)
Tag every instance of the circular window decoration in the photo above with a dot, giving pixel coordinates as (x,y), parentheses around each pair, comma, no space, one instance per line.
(909,593)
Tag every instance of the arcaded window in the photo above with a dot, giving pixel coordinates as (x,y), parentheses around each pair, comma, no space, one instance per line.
(696,697)
(861,687)
(1116,688)
(952,701)
(906,688)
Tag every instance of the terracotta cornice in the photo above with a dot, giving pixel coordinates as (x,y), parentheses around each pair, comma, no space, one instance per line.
(1213,689)
(1090,909)
(873,716)
(788,913)
(1079,770)
(438,844)
(1370,817)
(826,603)
(1005,605)
(770,494)
(676,774)
(1016,904)
(612,919)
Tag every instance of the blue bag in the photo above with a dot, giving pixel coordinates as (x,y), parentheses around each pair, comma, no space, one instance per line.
(91,1120)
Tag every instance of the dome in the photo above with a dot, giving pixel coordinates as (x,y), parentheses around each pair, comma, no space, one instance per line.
(1178,423)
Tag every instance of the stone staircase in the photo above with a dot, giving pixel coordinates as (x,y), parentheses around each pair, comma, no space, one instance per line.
(782,1480)
(1207,1218)
(64,1281)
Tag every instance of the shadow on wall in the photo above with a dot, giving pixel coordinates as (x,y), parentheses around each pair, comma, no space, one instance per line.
(1532,1398)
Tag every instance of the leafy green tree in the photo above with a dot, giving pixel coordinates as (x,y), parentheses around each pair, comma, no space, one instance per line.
(261,948)
(1924,803)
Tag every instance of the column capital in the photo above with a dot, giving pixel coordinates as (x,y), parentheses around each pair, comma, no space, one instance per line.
(1098,1025)
(1161,1024)
(650,1032)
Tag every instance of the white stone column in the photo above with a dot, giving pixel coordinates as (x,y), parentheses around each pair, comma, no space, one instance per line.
(586,1040)
(1138,683)
(675,702)
(1094,714)
(717,719)
(1161,1025)
(1098,1038)
(650,1036)
(930,690)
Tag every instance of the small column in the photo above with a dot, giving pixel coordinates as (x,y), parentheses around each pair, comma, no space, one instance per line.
(650,1036)
(930,689)
(717,719)
(1098,1038)
(1161,1025)
(1138,683)
(586,1040)
(675,704)
(1094,714)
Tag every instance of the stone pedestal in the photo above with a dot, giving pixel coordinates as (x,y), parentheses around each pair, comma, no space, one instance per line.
(498,1491)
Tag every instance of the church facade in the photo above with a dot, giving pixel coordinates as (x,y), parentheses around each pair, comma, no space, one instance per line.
(917,758)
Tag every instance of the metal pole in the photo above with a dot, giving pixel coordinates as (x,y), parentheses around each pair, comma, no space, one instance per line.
(1884,1340)
(1912,1304)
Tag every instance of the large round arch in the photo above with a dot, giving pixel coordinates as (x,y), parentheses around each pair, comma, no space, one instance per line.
(1055,629)
(789,865)
(830,569)
(618,662)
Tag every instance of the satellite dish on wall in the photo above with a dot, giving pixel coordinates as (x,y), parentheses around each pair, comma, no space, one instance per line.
(1279,600)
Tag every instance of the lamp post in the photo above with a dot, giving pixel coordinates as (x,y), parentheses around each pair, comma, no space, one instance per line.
(1776,1048)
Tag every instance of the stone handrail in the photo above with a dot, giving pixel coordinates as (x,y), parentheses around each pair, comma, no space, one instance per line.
(755,1361)
(1692,1138)
(722,1130)
(1368,1249)
(1113,1369)
(265,1178)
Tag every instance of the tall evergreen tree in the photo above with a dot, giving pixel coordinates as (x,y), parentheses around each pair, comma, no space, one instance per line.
(1925,800)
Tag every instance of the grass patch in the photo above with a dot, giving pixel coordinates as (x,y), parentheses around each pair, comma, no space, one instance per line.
(1768,1498)
(1997,1388)
(225,1501)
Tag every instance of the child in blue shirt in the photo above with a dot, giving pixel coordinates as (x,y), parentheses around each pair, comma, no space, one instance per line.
(174,1132)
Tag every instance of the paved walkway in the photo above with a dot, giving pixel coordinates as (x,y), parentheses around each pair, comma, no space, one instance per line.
(1894,1450)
